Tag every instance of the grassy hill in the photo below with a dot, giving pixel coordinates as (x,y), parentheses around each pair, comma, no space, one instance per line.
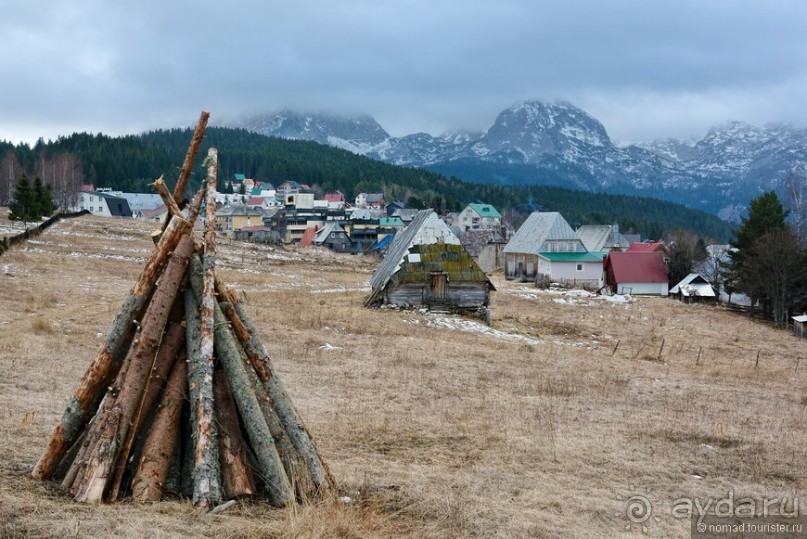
(543,425)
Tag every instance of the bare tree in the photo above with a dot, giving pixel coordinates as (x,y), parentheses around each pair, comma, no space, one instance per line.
(10,170)
(793,193)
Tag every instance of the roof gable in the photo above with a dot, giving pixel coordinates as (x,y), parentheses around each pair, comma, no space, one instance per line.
(600,237)
(537,229)
(426,228)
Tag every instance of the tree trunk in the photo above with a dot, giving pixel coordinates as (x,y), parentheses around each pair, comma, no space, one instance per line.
(270,468)
(206,472)
(117,415)
(235,471)
(161,443)
(293,425)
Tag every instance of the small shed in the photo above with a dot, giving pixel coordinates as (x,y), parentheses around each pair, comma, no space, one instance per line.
(694,287)
(426,265)
(800,325)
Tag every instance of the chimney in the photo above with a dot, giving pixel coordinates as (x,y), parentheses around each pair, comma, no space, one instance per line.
(616,246)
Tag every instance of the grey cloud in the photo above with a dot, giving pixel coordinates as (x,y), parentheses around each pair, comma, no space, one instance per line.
(646,69)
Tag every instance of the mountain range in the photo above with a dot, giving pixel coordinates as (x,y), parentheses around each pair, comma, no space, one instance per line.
(557,143)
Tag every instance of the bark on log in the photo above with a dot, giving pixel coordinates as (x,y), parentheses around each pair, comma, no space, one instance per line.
(196,140)
(169,201)
(294,466)
(270,467)
(107,442)
(161,443)
(293,425)
(206,471)
(107,363)
(170,349)
(236,475)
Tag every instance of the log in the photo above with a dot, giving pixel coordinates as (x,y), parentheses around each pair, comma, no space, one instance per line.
(168,200)
(206,471)
(236,475)
(107,442)
(293,464)
(270,467)
(107,363)
(193,148)
(171,348)
(293,425)
(160,446)
(207,478)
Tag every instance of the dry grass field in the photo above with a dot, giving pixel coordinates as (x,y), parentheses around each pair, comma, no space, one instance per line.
(542,425)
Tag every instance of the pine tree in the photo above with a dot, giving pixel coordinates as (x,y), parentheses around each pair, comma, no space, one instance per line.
(23,207)
(43,199)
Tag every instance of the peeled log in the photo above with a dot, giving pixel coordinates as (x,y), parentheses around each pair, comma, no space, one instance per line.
(107,363)
(293,425)
(103,450)
(206,471)
(235,472)
(161,443)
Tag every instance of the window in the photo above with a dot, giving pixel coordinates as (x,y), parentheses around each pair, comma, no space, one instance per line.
(579,266)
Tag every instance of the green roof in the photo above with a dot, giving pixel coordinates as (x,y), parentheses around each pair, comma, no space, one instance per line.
(390,221)
(239,177)
(485,210)
(572,257)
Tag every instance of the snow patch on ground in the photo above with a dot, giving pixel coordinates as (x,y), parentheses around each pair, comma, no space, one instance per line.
(471,326)
(573,297)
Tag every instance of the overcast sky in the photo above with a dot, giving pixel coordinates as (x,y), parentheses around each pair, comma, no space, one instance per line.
(646,69)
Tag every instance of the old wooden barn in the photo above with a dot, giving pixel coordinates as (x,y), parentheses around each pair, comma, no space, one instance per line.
(426,265)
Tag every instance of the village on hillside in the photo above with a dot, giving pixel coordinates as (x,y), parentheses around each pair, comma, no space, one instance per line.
(545,249)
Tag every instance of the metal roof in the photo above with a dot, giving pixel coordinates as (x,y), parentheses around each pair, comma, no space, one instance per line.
(327,230)
(694,284)
(485,210)
(572,257)
(425,228)
(599,237)
(637,267)
(800,318)
(536,230)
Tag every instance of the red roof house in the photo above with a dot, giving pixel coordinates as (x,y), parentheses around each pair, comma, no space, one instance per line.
(648,247)
(632,272)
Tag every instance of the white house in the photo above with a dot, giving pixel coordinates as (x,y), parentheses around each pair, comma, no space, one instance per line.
(542,232)
(576,269)
(103,204)
(479,217)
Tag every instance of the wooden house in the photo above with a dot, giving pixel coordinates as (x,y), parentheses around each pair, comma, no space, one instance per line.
(486,246)
(692,288)
(426,265)
(800,325)
(334,237)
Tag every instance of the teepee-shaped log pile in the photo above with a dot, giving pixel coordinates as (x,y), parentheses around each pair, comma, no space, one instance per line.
(182,397)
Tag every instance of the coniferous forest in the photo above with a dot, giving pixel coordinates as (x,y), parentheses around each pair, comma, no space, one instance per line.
(131,163)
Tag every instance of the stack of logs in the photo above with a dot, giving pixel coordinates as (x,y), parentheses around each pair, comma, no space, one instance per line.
(182,398)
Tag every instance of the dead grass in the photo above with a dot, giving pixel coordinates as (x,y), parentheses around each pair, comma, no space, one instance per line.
(431,430)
